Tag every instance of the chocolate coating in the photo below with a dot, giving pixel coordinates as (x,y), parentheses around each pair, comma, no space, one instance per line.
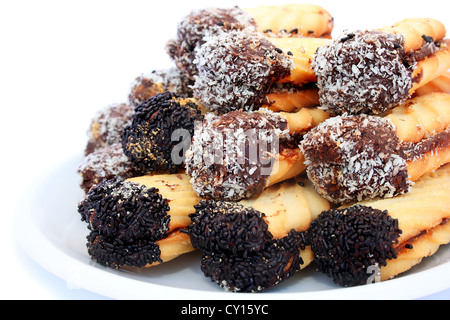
(147,142)
(236,70)
(146,86)
(199,24)
(231,156)
(107,125)
(413,151)
(105,164)
(346,242)
(363,72)
(355,158)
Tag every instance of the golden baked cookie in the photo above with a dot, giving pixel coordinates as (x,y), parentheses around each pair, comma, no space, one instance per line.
(293,20)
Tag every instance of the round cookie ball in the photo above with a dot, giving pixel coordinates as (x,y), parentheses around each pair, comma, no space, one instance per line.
(113,253)
(346,242)
(107,126)
(238,251)
(231,156)
(199,24)
(148,142)
(105,164)
(355,158)
(363,72)
(125,210)
(125,220)
(230,227)
(146,86)
(236,70)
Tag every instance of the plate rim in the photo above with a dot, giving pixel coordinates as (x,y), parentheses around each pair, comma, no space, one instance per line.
(96,278)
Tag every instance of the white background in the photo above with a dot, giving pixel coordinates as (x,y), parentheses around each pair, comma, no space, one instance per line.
(60,61)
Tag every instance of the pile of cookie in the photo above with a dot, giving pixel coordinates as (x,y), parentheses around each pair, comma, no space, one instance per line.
(271,146)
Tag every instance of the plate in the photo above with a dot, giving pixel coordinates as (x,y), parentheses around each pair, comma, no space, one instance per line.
(50,230)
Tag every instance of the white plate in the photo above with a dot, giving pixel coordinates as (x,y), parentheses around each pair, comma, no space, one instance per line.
(50,230)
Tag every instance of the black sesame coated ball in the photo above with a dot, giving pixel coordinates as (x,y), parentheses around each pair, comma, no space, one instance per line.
(238,251)
(126,211)
(125,220)
(148,141)
(346,242)
(228,226)
(253,273)
(111,252)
